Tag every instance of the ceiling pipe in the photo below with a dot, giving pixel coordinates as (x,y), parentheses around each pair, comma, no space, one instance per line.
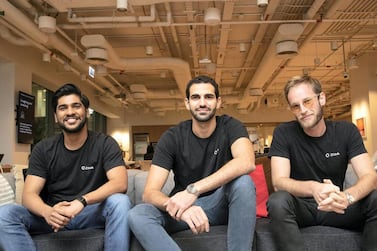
(63,6)
(179,67)
(114,19)
(270,63)
(45,42)
(7,35)
(18,19)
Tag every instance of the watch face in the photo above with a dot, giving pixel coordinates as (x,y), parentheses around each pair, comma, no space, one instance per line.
(192,189)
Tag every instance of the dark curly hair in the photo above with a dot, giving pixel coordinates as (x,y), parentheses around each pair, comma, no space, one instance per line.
(69,89)
(200,80)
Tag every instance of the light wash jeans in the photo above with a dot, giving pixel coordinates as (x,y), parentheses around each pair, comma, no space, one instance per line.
(17,223)
(233,204)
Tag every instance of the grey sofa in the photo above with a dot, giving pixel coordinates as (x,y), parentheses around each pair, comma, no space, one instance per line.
(318,238)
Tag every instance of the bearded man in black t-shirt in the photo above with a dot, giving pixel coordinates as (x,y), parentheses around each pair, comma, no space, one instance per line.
(75,180)
(309,158)
(211,157)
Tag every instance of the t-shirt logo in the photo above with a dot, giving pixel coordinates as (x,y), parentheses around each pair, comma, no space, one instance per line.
(330,155)
(216,151)
(86,168)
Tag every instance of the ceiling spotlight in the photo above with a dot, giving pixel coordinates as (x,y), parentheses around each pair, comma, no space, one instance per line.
(262,3)
(334,45)
(46,57)
(149,50)
(242,47)
(122,5)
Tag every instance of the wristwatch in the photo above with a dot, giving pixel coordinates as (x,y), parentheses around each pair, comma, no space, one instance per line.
(192,189)
(350,198)
(82,200)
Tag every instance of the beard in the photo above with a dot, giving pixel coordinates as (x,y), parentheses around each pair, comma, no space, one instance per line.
(311,124)
(76,129)
(206,118)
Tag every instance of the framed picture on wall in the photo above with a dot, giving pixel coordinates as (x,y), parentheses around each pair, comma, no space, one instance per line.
(360,123)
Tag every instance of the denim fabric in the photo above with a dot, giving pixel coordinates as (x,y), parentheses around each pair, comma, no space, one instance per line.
(233,204)
(17,224)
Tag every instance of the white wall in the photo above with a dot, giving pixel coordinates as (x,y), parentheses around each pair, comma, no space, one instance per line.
(364,97)
(13,79)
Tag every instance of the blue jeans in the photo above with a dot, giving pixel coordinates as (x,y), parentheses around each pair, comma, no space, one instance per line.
(233,204)
(17,224)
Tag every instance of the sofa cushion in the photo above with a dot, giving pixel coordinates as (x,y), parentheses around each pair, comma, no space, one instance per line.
(18,172)
(6,191)
(72,240)
(261,190)
(316,238)
(215,239)
(131,173)
(140,180)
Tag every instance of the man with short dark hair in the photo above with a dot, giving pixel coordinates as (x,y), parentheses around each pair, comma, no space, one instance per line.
(211,157)
(76,180)
(309,159)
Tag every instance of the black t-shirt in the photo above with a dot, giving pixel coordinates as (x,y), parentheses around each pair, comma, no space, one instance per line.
(317,158)
(192,158)
(69,173)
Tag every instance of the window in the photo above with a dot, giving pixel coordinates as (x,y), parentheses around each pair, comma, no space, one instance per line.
(44,122)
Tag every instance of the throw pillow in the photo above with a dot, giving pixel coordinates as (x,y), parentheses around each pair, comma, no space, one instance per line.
(19,176)
(6,191)
(261,190)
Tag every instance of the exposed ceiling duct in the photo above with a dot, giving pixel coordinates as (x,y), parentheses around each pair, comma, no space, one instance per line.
(279,39)
(286,49)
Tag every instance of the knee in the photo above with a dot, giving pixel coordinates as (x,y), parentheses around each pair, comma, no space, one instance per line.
(7,212)
(277,201)
(243,184)
(119,201)
(138,213)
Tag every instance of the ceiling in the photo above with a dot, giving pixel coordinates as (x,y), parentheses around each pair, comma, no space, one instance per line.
(145,51)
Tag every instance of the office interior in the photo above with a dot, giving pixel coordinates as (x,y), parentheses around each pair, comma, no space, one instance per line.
(133,59)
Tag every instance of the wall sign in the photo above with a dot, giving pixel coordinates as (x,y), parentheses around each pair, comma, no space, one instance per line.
(25,118)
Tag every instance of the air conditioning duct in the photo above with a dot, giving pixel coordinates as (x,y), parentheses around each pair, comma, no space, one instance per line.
(96,56)
(138,88)
(286,48)
(256,92)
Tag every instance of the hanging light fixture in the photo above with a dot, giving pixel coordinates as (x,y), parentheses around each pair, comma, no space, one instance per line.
(242,47)
(149,50)
(122,5)
(212,16)
(47,24)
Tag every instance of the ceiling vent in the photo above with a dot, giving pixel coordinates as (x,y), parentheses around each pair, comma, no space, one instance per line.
(96,56)
(47,24)
(286,49)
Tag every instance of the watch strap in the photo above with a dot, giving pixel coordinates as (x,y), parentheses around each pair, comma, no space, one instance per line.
(82,200)
(350,198)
